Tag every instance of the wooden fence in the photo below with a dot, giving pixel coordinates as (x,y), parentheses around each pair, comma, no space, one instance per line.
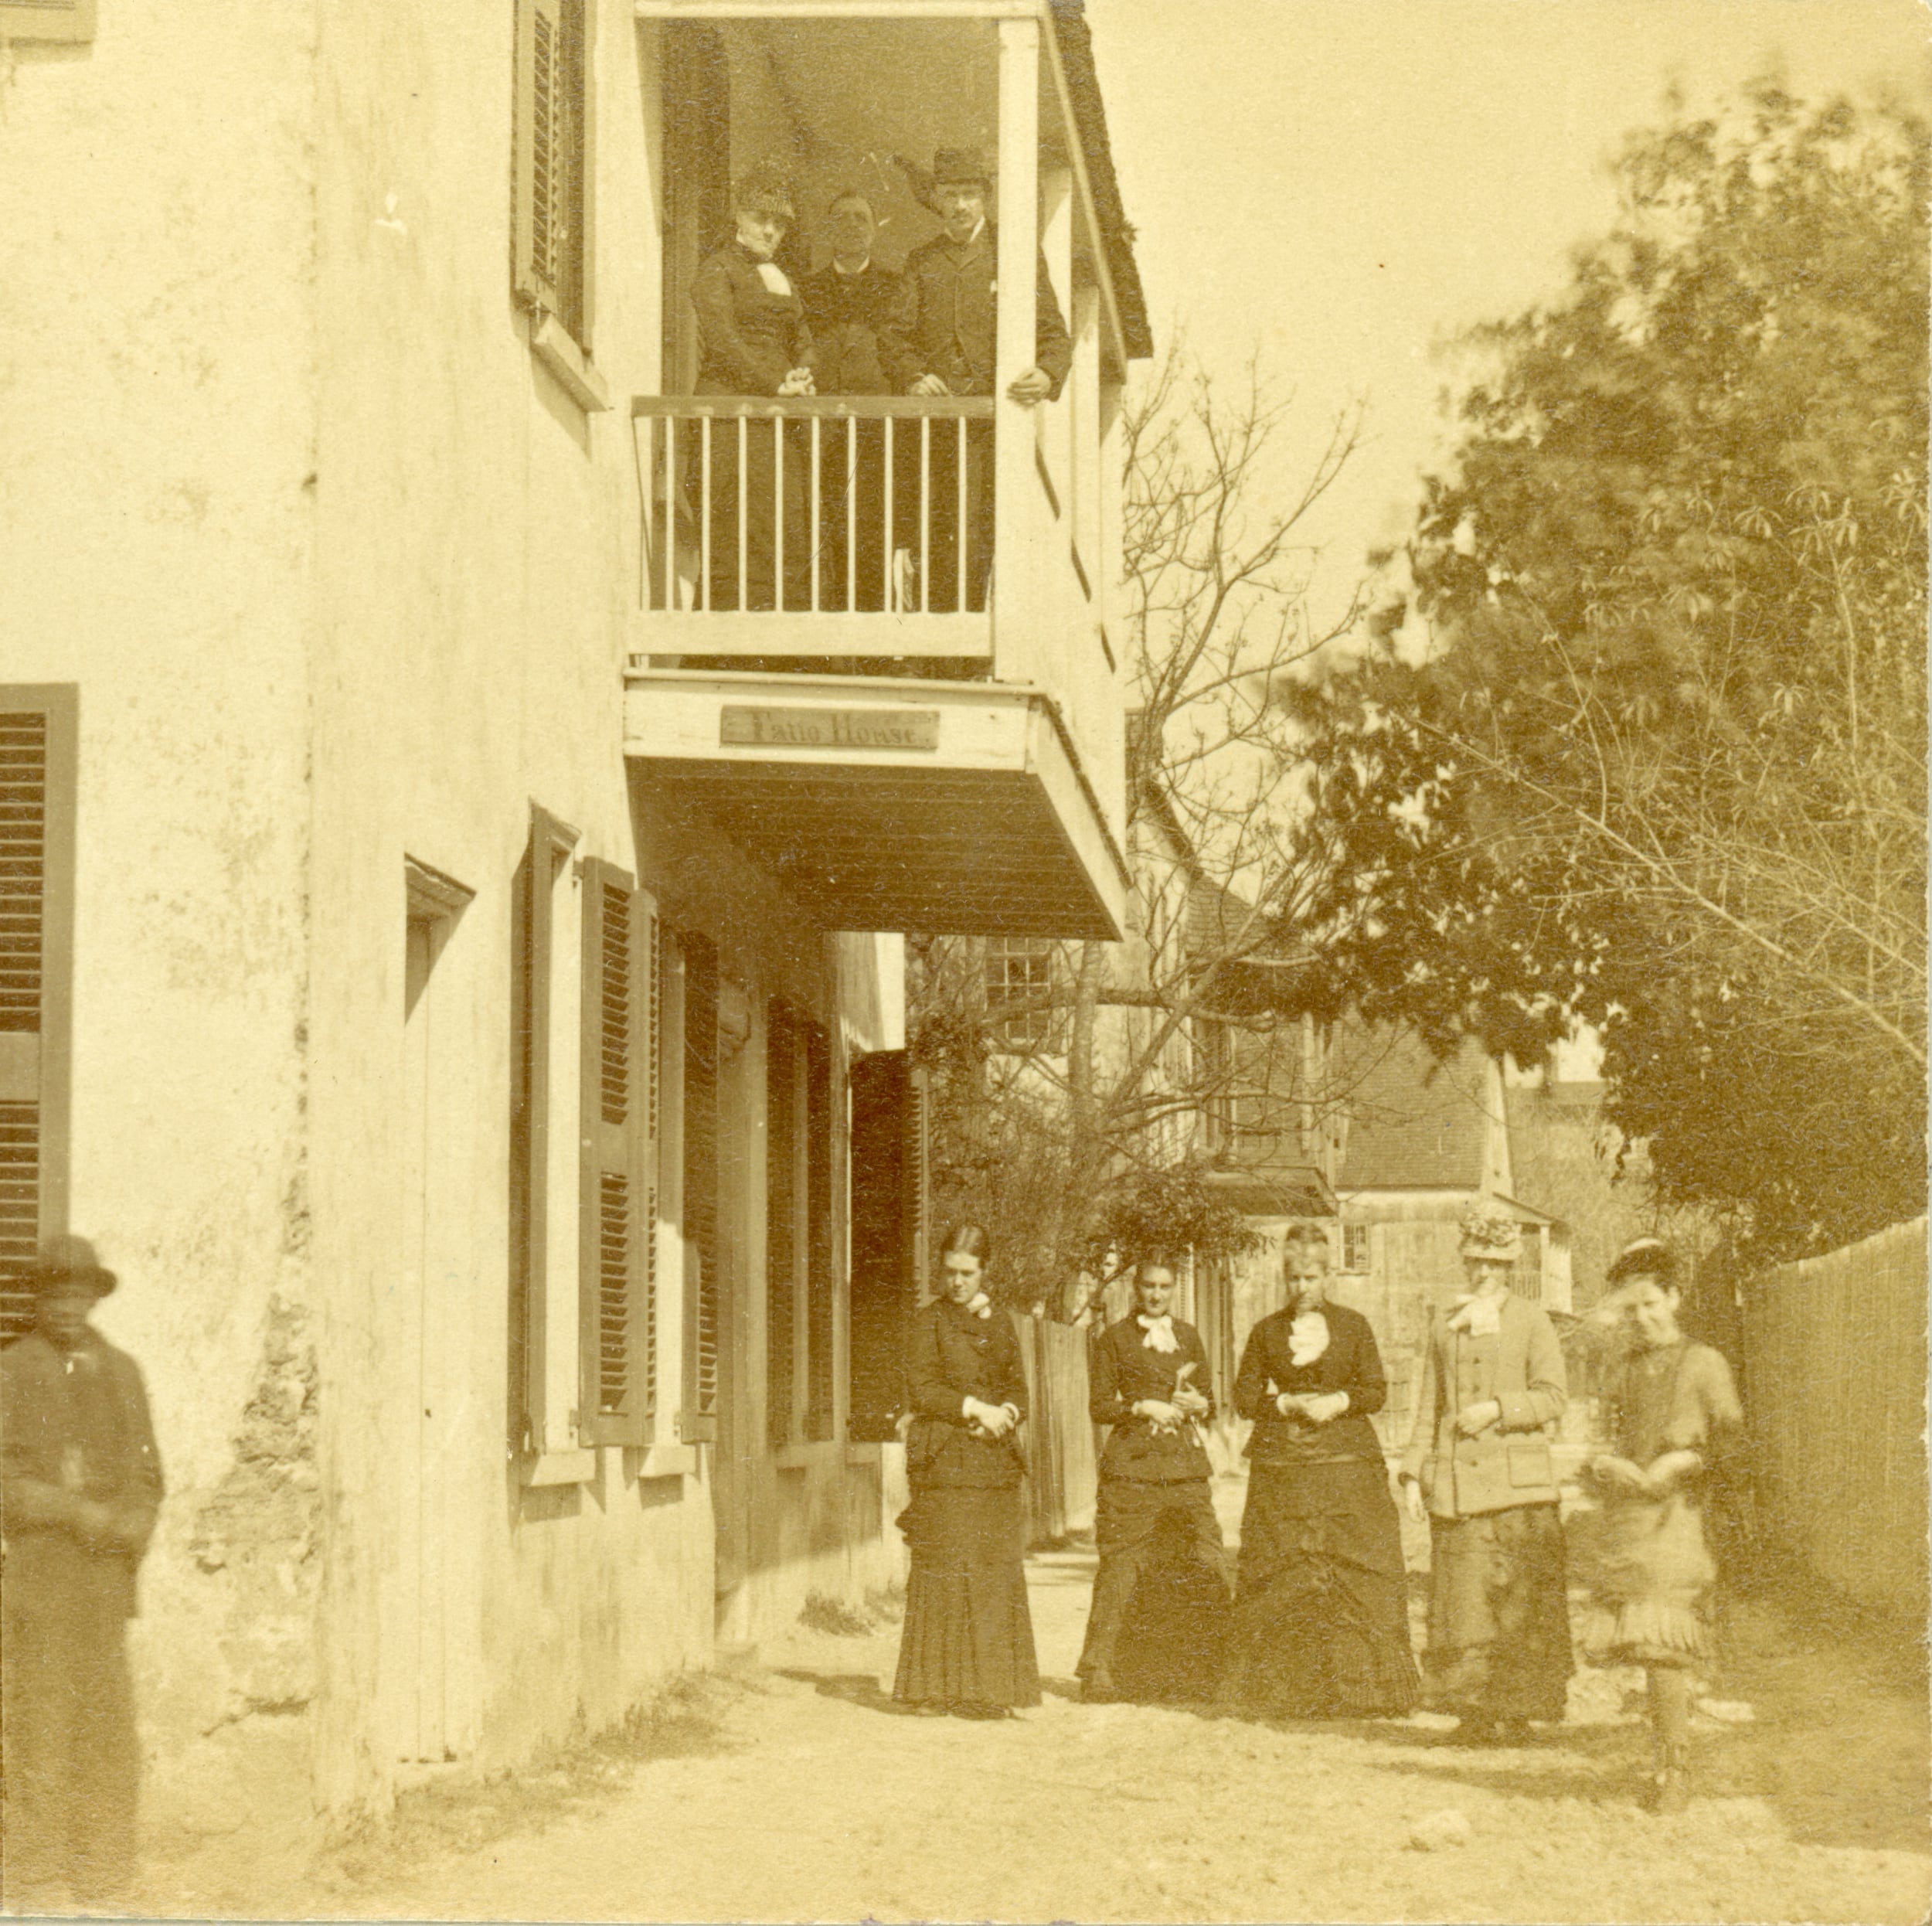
(1834,1385)
(1063,1476)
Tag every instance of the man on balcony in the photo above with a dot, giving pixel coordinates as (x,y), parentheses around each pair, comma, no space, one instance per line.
(849,303)
(941,342)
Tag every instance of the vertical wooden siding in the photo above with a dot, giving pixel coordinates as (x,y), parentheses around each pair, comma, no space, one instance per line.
(1835,1385)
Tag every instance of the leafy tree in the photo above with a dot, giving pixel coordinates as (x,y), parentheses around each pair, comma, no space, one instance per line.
(1642,742)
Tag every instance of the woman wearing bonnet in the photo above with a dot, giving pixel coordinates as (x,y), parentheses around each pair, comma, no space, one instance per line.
(1478,1468)
(1321,1615)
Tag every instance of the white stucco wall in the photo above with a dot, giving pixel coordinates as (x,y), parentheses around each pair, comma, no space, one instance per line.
(157,524)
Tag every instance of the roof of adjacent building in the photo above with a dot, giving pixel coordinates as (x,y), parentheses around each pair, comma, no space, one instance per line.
(1116,232)
(1415,1122)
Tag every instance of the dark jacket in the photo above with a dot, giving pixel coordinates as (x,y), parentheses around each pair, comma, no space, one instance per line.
(945,322)
(74,1428)
(1522,1368)
(847,314)
(955,1354)
(1351,1363)
(1121,1371)
(749,339)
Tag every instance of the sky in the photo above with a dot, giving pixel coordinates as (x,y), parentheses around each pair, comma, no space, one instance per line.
(1340,185)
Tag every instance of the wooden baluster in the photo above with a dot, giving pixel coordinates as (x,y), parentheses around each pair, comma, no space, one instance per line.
(704,512)
(778,510)
(817,533)
(925,513)
(670,511)
(961,600)
(744,501)
(851,520)
(886,596)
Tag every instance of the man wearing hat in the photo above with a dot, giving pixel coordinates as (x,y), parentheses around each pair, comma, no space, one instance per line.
(79,1486)
(1479,1468)
(941,340)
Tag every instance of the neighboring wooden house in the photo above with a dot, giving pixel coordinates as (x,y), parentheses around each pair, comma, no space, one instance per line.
(1365,1129)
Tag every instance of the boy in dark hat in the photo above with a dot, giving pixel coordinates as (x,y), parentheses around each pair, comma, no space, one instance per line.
(79,1486)
(941,342)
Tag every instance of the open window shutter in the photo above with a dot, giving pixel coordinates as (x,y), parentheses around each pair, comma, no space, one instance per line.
(548,218)
(37,737)
(617,1209)
(820,1362)
(781,1219)
(890,1232)
(532,961)
(698,1415)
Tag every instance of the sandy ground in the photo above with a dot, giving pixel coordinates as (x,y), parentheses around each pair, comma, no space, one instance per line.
(795,1790)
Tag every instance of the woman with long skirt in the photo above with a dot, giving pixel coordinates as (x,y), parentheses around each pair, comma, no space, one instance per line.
(1673,1409)
(1321,1611)
(968,1644)
(1479,1468)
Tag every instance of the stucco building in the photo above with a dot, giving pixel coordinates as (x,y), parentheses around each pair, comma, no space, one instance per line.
(453,970)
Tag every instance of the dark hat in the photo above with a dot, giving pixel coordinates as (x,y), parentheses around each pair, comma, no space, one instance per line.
(64,1260)
(1644,1257)
(960,164)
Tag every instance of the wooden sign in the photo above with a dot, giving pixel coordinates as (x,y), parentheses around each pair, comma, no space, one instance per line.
(741,725)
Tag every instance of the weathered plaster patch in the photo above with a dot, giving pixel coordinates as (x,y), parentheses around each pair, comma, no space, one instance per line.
(259,1527)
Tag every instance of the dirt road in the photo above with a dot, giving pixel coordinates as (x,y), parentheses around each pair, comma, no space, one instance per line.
(796,1792)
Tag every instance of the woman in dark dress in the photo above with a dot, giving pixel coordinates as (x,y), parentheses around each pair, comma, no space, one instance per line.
(752,340)
(968,1644)
(1321,1614)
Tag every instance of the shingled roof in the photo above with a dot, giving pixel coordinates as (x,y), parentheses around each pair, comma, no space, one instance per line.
(1414,1123)
(1116,232)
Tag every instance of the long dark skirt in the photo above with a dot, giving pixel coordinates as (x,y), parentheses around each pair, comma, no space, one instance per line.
(1321,1610)
(1499,1615)
(968,1636)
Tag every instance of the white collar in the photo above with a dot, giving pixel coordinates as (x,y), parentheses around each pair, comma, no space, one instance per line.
(850,272)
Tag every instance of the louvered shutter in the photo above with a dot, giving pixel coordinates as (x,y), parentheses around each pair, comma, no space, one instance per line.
(547,226)
(781,1220)
(697,1414)
(821,1357)
(37,738)
(890,1232)
(47,19)
(617,1164)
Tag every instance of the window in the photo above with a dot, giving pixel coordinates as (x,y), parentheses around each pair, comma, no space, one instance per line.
(1354,1246)
(1019,969)
(47,19)
(552,177)
(38,733)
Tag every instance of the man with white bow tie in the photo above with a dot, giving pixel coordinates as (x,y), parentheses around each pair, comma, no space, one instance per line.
(1148,1379)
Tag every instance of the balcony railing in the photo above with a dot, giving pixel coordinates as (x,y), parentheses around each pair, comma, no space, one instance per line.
(865,509)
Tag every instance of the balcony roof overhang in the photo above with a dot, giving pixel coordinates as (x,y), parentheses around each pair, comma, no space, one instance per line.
(954,808)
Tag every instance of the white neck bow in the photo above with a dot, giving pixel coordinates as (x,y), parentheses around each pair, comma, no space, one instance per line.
(1160,1333)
